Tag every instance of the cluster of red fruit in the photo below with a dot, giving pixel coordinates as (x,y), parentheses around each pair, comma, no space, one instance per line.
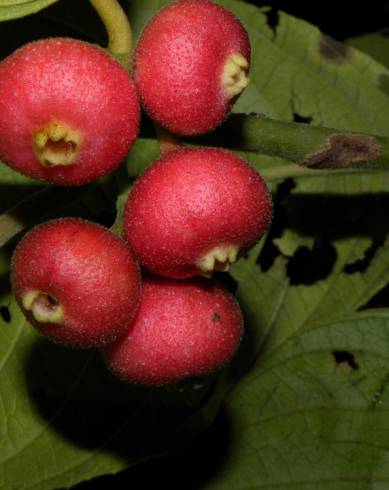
(69,114)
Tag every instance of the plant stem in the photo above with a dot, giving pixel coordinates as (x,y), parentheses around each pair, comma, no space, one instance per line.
(311,147)
(117,26)
(274,174)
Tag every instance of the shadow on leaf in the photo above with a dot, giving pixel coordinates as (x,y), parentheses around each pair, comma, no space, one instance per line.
(85,404)
(12,194)
(191,469)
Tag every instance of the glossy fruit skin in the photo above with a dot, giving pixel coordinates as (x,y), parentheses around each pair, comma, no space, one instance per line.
(190,201)
(90,271)
(72,82)
(179,61)
(182,329)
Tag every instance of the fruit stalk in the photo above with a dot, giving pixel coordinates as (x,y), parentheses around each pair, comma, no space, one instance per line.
(118,28)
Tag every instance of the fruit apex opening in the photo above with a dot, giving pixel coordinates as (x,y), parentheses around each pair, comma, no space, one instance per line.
(218,259)
(56,144)
(44,307)
(235,75)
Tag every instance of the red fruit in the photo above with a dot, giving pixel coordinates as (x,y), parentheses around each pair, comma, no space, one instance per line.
(76,282)
(193,210)
(182,329)
(68,111)
(191,63)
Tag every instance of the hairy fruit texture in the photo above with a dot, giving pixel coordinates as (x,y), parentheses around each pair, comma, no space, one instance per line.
(182,329)
(68,111)
(191,63)
(76,282)
(193,210)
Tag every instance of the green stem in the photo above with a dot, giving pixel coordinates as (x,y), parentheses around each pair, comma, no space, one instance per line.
(117,26)
(311,147)
(281,172)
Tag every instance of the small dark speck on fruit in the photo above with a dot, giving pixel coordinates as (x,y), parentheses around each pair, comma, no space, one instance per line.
(215,317)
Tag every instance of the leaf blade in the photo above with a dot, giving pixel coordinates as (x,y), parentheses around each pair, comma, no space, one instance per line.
(20,8)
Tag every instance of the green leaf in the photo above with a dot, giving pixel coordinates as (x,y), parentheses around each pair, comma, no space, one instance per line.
(13,9)
(65,418)
(311,411)
(375,44)
(143,153)
(315,416)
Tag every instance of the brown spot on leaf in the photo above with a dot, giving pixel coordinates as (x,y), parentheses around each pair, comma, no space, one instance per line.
(343,150)
(333,50)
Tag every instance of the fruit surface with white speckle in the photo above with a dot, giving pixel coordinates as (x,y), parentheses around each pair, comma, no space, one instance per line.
(76,282)
(194,210)
(183,329)
(191,64)
(69,112)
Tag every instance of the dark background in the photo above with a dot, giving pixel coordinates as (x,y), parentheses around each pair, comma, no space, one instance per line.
(341,19)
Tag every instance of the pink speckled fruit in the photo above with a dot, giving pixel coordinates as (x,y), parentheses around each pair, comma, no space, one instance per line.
(193,210)
(191,64)
(76,282)
(182,329)
(69,112)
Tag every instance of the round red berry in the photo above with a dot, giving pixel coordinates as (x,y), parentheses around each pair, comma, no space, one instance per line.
(182,329)
(68,111)
(76,282)
(194,210)
(191,63)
